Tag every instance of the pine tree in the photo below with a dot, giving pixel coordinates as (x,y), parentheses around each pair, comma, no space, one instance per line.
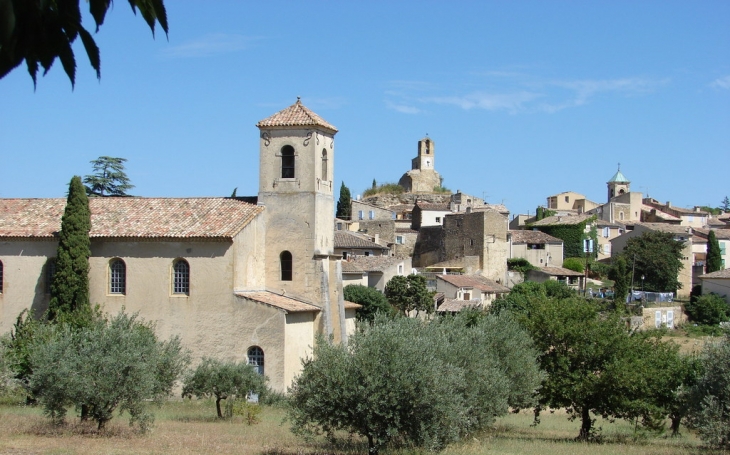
(725,204)
(714,257)
(70,285)
(344,209)
(109,178)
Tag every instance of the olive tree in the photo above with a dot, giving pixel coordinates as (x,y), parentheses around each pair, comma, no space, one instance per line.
(426,383)
(107,366)
(222,380)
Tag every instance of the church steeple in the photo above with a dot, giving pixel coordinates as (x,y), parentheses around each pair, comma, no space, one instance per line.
(618,184)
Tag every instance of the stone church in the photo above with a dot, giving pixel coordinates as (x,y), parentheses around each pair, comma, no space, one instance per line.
(252,279)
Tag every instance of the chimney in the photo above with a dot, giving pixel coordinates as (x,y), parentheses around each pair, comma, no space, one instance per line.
(669,204)
(376,238)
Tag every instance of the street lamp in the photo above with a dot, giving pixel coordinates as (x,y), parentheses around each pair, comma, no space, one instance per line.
(642,283)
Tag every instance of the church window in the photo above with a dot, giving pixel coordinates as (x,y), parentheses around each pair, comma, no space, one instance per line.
(324,165)
(181,277)
(50,273)
(286,265)
(287,162)
(256,359)
(117,277)
(1,277)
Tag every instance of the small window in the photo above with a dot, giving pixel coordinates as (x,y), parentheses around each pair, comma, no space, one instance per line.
(324,165)
(181,277)
(567,198)
(117,277)
(256,359)
(287,162)
(606,232)
(400,269)
(621,215)
(1,277)
(392,216)
(339,226)
(467,296)
(285,258)
(360,215)
(438,219)
(399,239)
(371,214)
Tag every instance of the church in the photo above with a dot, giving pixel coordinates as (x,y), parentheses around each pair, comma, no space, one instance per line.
(252,279)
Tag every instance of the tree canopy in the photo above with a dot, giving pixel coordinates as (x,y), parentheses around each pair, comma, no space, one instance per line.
(70,282)
(714,255)
(109,178)
(222,380)
(110,365)
(409,293)
(41,31)
(621,279)
(372,301)
(658,257)
(425,383)
(344,207)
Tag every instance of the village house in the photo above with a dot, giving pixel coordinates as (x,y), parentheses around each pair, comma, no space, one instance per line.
(717,283)
(374,271)
(466,291)
(350,244)
(538,248)
(574,280)
(235,280)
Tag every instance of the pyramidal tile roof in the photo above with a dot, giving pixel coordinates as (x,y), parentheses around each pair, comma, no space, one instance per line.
(296,115)
(131,217)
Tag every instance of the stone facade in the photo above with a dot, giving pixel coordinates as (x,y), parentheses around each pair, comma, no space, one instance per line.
(261,275)
(422,178)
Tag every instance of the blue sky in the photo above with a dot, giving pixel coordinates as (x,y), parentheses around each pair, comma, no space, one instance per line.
(523,99)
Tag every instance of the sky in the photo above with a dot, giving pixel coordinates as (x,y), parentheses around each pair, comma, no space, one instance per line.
(523,99)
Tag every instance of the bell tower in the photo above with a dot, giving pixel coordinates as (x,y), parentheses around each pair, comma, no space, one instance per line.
(425,158)
(296,164)
(618,184)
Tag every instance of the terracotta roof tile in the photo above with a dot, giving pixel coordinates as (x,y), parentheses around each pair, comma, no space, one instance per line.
(474,281)
(454,306)
(349,239)
(561,220)
(295,115)
(430,206)
(559,271)
(725,273)
(287,304)
(370,263)
(131,217)
(352,305)
(533,237)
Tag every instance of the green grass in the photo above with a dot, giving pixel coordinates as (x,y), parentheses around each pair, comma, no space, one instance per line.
(190,427)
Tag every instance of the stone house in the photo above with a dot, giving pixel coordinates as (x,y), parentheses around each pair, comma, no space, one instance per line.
(349,244)
(428,214)
(717,283)
(538,248)
(574,280)
(234,280)
(680,233)
(606,232)
(374,271)
(474,289)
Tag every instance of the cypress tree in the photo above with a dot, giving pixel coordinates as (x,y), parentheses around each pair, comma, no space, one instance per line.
(714,257)
(344,209)
(70,284)
(620,275)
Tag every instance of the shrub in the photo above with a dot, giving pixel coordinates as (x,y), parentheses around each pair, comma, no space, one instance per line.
(372,301)
(521,265)
(574,264)
(708,309)
(222,380)
(423,383)
(386,188)
(711,395)
(108,366)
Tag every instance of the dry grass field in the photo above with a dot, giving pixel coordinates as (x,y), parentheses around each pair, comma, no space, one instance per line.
(191,428)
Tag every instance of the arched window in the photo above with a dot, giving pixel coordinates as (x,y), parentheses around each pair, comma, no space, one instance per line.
(256,358)
(181,277)
(621,215)
(324,165)
(117,277)
(286,266)
(1,277)
(287,162)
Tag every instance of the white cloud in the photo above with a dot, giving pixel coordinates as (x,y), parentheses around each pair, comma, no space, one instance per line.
(723,82)
(511,102)
(402,108)
(217,43)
